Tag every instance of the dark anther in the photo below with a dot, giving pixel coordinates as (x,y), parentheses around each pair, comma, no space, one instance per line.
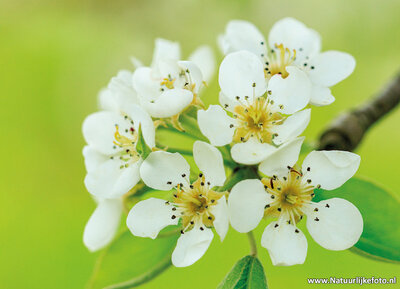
(254,84)
(272,197)
(169,183)
(173,217)
(276,226)
(265,187)
(182,232)
(212,201)
(167,202)
(200,175)
(316,219)
(201,228)
(262,42)
(210,218)
(202,183)
(173,209)
(191,222)
(267,206)
(288,222)
(308,169)
(237,97)
(312,194)
(327,206)
(316,210)
(308,181)
(284,178)
(296,231)
(289,167)
(208,183)
(191,186)
(183,175)
(231,125)
(279,209)
(312,67)
(305,64)
(175,195)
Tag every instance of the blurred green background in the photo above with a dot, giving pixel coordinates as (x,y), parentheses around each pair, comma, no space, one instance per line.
(56,55)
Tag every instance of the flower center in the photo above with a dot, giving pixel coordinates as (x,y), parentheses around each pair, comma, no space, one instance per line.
(194,204)
(128,154)
(289,195)
(277,60)
(168,82)
(255,119)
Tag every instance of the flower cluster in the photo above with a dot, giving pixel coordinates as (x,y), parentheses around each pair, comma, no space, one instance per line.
(267,89)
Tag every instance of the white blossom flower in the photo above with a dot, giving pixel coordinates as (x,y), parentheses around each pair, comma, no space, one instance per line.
(169,85)
(196,206)
(263,117)
(291,45)
(111,158)
(103,224)
(335,224)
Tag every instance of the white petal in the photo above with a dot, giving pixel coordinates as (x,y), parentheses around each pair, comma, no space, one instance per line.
(162,170)
(330,169)
(292,127)
(331,67)
(122,88)
(214,123)
(194,74)
(204,58)
(321,96)
(243,35)
(209,161)
(191,246)
(93,158)
(293,92)
(165,49)
(146,83)
(286,244)
(227,103)
(136,62)
(251,152)
(147,218)
(108,180)
(169,103)
(107,101)
(339,224)
(103,224)
(239,72)
(221,214)
(246,205)
(140,116)
(99,128)
(284,156)
(295,35)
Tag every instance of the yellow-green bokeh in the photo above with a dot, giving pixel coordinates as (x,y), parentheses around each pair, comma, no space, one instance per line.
(56,55)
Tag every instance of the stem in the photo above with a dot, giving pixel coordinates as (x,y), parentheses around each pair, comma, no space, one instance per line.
(253,244)
(348,130)
(135,282)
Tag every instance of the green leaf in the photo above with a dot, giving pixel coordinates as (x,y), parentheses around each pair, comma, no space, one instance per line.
(142,148)
(380,209)
(247,273)
(132,259)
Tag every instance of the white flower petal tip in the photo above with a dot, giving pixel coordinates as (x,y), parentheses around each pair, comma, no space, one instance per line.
(293,92)
(285,155)
(292,127)
(102,226)
(242,35)
(331,67)
(165,49)
(246,204)
(241,74)
(209,161)
(147,218)
(221,214)
(336,225)
(321,96)
(251,152)
(330,169)
(215,124)
(191,246)
(204,58)
(162,170)
(285,243)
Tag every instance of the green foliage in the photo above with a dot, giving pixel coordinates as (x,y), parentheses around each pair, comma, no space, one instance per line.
(132,258)
(142,148)
(248,273)
(380,209)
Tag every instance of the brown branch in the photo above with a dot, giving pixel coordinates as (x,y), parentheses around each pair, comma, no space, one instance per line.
(347,131)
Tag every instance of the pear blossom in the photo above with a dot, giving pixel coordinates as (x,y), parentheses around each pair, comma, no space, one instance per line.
(170,84)
(111,158)
(335,224)
(196,206)
(264,116)
(292,45)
